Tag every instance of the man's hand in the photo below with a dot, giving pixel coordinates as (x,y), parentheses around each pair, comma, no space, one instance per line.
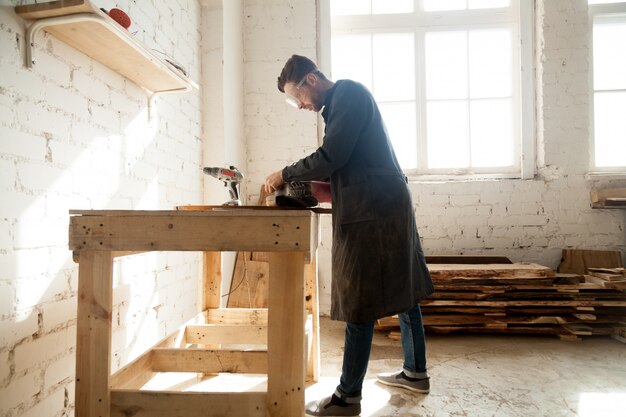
(274,181)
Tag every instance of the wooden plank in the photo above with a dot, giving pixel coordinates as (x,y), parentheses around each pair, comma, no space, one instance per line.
(578,260)
(526,303)
(135,374)
(186,404)
(467,259)
(211,279)
(174,339)
(512,287)
(250,316)
(250,283)
(552,330)
(529,295)
(260,256)
(516,270)
(53,8)
(218,211)
(239,294)
(192,233)
(312,305)
(607,276)
(208,361)
(286,344)
(138,372)
(119,254)
(93,333)
(319,210)
(473,319)
(226,334)
(608,198)
(602,194)
(259,271)
(492,281)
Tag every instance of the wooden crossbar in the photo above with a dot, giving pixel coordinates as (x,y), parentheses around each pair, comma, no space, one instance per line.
(208,361)
(226,334)
(188,404)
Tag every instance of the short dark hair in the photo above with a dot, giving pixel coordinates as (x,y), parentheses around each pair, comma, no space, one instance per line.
(296,68)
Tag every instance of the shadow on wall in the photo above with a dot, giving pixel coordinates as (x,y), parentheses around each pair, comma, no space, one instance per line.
(103,152)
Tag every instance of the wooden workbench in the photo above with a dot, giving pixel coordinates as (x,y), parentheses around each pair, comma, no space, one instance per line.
(97,237)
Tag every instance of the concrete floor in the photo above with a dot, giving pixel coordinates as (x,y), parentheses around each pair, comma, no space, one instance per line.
(484,375)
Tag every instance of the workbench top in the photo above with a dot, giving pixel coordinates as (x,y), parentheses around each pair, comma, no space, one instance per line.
(218,228)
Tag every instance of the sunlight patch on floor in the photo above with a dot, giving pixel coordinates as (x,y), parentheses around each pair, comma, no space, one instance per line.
(602,404)
(375,396)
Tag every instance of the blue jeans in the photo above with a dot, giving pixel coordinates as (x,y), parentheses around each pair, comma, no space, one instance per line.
(358,344)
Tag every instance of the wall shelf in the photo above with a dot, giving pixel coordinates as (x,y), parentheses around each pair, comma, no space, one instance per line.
(86,28)
(609,198)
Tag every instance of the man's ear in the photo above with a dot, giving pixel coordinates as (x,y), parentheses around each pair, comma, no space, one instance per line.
(311,78)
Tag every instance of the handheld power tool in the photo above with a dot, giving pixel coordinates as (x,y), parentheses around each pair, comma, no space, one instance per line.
(231,177)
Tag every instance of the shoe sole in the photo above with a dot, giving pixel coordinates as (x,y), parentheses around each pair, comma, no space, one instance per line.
(312,415)
(394,384)
(332,415)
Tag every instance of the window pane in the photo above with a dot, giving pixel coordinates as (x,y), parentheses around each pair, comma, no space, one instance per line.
(491,133)
(446,65)
(349,7)
(392,6)
(490,63)
(439,5)
(609,55)
(401,125)
(610,129)
(394,66)
(488,4)
(352,58)
(447,134)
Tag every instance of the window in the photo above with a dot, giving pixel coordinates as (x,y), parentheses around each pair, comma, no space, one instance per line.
(447,78)
(609,84)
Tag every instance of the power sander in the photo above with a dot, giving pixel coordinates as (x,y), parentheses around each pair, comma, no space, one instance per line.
(231,177)
(301,194)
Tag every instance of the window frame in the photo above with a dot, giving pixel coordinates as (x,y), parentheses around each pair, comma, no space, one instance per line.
(601,11)
(418,24)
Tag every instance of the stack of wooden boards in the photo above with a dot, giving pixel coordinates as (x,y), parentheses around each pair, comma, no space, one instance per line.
(520,298)
(614,278)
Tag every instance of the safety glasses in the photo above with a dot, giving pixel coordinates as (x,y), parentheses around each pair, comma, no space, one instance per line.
(293,101)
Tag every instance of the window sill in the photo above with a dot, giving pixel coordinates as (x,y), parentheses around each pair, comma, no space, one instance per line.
(461,177)
(598,175)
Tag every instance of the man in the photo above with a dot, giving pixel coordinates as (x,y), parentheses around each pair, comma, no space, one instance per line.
(378,264)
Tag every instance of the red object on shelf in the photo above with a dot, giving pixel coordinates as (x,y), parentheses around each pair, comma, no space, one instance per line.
(120,17)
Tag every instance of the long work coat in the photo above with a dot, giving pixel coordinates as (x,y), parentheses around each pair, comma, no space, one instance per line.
(378,264)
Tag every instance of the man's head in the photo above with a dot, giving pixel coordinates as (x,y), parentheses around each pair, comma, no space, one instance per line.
(303,83)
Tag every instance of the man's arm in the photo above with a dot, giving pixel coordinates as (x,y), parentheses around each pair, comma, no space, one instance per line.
(351,109)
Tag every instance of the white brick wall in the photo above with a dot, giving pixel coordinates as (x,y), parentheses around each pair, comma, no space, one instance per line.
(276,134)
(76,135)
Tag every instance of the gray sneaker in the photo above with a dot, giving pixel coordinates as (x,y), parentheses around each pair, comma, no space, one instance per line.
(332,407)
(399,379)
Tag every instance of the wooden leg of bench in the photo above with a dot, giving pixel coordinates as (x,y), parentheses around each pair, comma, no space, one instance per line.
(286,356)
(93,342)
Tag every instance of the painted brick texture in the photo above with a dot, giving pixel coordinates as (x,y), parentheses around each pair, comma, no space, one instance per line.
(76,135)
